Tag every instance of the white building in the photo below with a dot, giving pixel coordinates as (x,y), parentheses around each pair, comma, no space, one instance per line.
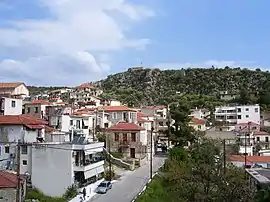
(200,113)
(18,89)
(55,167)
(227,117)
(13,128)
(36,108)
(10,106)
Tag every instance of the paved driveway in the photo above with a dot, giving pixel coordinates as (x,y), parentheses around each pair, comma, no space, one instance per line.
(130,185)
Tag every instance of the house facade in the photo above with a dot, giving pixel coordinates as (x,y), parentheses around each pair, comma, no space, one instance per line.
(129,139)
(17,89)
(10,106)
(198,124)
(120,114)
(36,108)
(27,129)
(199,113)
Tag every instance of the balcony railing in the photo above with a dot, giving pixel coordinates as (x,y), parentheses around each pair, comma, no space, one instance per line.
(87,166)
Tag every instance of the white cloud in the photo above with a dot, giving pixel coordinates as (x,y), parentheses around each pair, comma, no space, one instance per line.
(208,64)
(76,30)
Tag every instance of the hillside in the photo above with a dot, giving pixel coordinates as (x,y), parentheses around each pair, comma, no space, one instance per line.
(154,86)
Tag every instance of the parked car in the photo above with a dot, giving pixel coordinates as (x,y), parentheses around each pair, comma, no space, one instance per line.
(103,187)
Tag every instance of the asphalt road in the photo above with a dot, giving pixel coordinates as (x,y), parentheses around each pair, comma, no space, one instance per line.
(130,185)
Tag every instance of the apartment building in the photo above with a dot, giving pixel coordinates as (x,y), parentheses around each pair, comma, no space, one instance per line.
(226,117)
(10,106)
(73,163)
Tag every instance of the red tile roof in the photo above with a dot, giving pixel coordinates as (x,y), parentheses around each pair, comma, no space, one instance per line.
(55,91)
(85,85)
(39,102)
(124,126)
(251,159)
(8,179)
(141,117)
(246,124)
(198,121)
(261,133)
(21,120)
(118,108)
(10,85)
(154,107)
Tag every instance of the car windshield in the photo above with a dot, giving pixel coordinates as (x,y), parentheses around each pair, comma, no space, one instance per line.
(103,184)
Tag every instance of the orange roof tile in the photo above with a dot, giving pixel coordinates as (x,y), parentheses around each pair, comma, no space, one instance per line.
(251,159)
(41,102)
(261,133)
(49,129)
(141,117)
(246,124)
(8,179)
(118,108)
(21,120)
(85,85)
(10,85)
(198,121)
(124,126)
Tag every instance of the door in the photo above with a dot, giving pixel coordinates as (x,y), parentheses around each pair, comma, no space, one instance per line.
(132,152)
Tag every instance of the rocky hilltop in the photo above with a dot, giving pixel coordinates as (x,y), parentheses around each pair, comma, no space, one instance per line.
(155,86)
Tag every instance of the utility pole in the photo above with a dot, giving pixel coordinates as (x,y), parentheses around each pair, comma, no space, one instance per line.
(224,155)
(96,124)
(18,194)
(151,153)
(110,160)
(246,144)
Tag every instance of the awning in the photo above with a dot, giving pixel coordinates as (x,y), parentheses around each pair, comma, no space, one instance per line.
(34,126)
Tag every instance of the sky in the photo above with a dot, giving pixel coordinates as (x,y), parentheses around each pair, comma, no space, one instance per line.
(69,42)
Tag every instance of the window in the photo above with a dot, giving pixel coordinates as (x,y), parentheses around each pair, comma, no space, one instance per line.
(106,125)
(256,110)
(24,162)
(36,109)
(266,139)
(247,109)
(116,137)
(13,103)
(24,149)
(78,124)
(238,109)
(71,122)
(28,110)
(114,115)
(239,117)
(199,127)
(160,123)
(247,116)
(133,137)
(7,149)
(258,139)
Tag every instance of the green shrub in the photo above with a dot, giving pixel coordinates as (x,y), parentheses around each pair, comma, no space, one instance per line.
(117,155)
(107,175)
(71,192)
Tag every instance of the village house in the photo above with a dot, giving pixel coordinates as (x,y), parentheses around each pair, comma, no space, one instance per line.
(17,89)
(128,139)
(60,95)
(85,94)
(200,113)
(120,114)
(259,178)
(239,160)
(198,124)
(27,129)
(8,186)
(36,108)
(10,106)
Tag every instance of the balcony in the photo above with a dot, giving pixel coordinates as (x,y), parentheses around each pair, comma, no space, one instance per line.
(125,143)
(87,166)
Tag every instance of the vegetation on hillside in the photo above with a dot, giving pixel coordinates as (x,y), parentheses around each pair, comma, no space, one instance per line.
(153,86)
(36,90)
